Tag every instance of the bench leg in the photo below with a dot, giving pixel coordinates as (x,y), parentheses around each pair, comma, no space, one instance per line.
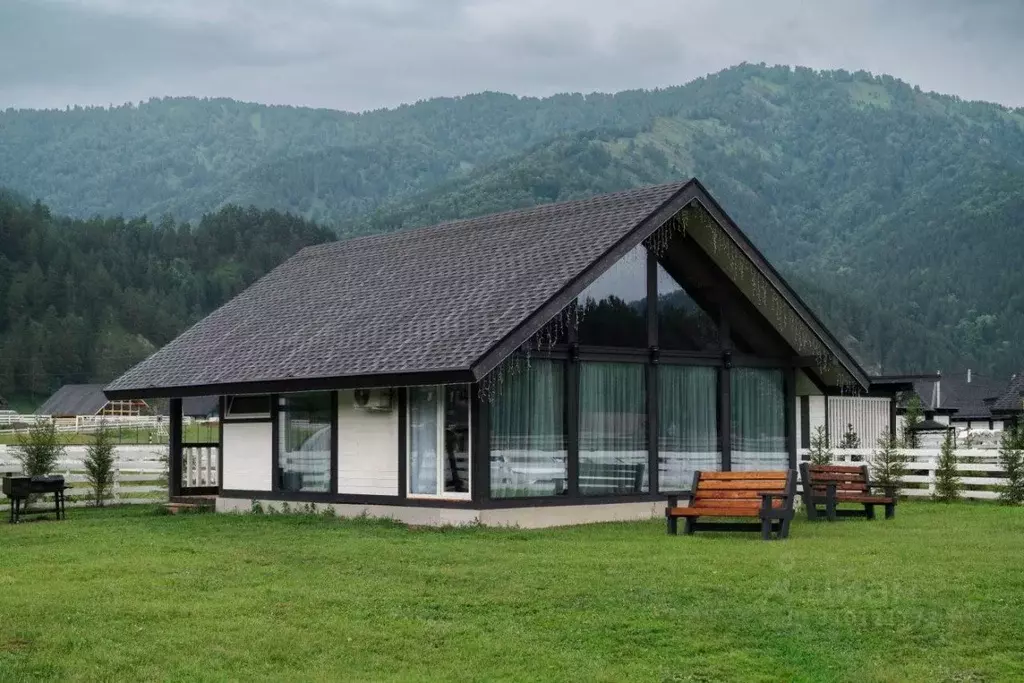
(672,524)
(812,511)
(830,510)
(691,526)
(869,510)
(784,530)
(890,510)
(766,529)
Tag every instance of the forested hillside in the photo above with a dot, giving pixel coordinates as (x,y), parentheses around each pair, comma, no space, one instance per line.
(81,301)
(897,213)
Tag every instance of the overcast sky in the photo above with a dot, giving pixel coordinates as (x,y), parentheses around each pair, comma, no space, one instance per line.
(363,54)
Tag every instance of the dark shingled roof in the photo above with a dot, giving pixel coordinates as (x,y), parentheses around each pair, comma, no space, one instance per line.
(432,299)
(972,400)
(1010,398)
(74,399)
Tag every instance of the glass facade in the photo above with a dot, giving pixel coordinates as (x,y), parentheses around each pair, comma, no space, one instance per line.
(613,309)
(528,444)
(612,429)
(687,424)
(305,436)
(439,441)
(682,324)
(758,439)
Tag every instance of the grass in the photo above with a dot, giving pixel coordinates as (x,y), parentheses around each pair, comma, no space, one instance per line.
(935,595)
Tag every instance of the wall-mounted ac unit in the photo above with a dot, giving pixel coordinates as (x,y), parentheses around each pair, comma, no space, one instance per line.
(373,400)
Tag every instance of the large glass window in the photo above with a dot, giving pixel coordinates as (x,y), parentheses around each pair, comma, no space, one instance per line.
(614,307)
(305,434)
(687,424)
(682,324)
(528,451)
(613,429)
(439,441)
(758,419)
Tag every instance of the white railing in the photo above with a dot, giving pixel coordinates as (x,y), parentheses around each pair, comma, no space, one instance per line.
(199,465)
(140,475)
(980,472)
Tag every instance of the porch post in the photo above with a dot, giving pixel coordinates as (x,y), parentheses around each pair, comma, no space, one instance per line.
(789,380)
(174,450)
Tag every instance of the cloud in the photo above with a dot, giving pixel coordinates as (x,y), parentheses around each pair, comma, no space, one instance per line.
(360,54)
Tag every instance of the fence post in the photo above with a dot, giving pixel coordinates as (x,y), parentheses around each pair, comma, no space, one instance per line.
(209,466)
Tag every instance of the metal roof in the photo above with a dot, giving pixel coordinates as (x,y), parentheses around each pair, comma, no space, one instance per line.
(73,400)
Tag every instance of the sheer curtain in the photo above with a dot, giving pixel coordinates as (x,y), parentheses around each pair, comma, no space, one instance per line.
(613,429)
(758,419)
(528,450)
(687,424)
(423,440)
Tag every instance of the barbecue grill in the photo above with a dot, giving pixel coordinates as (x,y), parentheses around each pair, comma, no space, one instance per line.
(18,489)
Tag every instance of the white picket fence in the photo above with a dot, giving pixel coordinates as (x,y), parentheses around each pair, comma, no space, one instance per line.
(980,471)
(140,475)
(199,465)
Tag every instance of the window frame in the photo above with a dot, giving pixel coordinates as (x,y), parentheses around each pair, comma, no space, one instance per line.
(439,447)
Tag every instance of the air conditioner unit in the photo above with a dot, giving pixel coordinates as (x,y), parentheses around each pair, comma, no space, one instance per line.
(373,400)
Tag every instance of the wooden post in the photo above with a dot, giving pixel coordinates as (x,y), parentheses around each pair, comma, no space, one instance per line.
(174,448)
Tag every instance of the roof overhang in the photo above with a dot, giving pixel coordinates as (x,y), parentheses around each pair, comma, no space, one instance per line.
(284,386)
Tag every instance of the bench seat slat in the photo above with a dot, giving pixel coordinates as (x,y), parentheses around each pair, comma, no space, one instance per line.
(715,512)
(874,500)
(837,469)
(744,485)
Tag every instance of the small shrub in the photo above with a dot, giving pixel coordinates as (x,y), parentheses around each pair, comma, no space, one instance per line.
(948,485)
(888,465)
(1011,457)
(819,452)
(256,507)
(99,464)
(849,438)
(912,418)
(40,449)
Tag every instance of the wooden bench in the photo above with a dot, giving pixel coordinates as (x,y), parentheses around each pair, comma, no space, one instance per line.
(830,485)
(767,496)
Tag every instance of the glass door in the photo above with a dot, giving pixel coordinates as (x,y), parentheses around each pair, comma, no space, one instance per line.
(439,442)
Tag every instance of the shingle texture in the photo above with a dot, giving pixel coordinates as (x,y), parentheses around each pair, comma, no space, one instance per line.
(1012,397)
(420,300)
(971,400)
(74,400)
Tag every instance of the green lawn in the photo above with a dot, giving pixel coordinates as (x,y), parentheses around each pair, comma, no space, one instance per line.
(935,595)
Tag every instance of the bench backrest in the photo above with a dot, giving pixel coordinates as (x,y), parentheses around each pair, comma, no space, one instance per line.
(850,479)
(741,489)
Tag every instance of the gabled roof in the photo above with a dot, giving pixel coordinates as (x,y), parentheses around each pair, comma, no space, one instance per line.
(75,399)
(963,400)
(444,303)
(1011,398)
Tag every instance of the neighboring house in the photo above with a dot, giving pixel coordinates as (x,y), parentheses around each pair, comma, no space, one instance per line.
(566,363)
(80,400)
(966,401)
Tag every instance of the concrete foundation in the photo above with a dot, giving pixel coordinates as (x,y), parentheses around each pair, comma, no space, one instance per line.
(523,517)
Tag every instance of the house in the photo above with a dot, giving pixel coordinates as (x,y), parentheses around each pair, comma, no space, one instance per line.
(966,400)
(561,364)
(80,400)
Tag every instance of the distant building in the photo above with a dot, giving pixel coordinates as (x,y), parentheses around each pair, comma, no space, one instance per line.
(79,400)
(969,401)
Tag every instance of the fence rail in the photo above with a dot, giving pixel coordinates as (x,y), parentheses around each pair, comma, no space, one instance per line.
(140,475)
(980,471)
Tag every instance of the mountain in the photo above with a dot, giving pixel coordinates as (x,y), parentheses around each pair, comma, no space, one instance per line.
(895,212)
(82,300)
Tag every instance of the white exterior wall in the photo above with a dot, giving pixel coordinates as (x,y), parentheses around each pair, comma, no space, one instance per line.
(869,416)
(247,459)
(367,449)
(816,405)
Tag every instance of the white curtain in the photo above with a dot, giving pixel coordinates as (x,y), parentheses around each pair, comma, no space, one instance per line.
(758,419)
(423,440)
(687,424)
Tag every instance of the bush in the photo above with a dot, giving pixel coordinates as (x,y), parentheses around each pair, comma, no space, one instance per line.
(819,452)
(1011,457)
(39,450)
(888,464)
(99,464)
(850,438)
(947,477)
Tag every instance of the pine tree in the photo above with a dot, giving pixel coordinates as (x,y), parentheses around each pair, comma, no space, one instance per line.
(40,449)
(820,453)
(947,478)
(888,464)
(99,464)
(912,418)
(849,438)
(1011,457)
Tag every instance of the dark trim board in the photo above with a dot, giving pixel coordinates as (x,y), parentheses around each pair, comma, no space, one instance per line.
(396,501)
(291,386)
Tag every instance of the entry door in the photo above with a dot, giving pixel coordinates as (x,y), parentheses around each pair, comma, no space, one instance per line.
(439,442)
